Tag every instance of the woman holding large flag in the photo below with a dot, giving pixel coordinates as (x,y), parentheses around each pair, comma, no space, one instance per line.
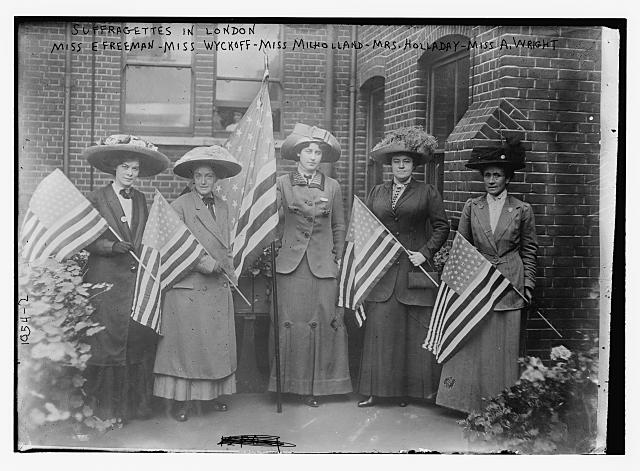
(120,370)
(502,228)
(196,357)
(398,308)
(312,334)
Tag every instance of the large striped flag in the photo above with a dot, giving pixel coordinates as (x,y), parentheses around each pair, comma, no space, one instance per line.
(169,250)
(370,250)
(59,222)
(251,195)
(468,291)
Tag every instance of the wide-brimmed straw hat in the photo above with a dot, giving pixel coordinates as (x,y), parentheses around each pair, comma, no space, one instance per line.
(509,155)
(412,141)
(115,149)
(302,135)
(224,165)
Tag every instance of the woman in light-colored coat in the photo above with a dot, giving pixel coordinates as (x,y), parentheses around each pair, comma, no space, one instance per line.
(196,358)
(502,228)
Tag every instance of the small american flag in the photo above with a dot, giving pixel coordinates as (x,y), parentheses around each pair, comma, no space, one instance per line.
(251,195)
(469,289)
(370,250)
(59,221)
(169,250)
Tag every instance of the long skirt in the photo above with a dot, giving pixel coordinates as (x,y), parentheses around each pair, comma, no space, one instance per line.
(485,365)
(394,364)
(125,391)
(314,358)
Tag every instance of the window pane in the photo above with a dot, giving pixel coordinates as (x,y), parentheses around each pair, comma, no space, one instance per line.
(158,96)
(165,47)
(250,63)
(443,100)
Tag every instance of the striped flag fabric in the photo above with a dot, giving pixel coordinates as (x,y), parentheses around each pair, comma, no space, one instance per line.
(59,222)
(251,195)
(369,251)
(169,250)
(470,286)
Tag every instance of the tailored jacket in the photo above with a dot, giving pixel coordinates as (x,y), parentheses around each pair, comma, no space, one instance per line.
(209,296)
(113,307)
(420,223)
(311,222)
(512,248)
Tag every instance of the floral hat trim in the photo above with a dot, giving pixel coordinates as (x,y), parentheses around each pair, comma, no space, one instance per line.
(413,138)
(118,139)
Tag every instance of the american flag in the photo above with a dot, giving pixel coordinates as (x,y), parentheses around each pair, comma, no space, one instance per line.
(251,195)
(59,221)
(469,289)
(370,250)
(169,250)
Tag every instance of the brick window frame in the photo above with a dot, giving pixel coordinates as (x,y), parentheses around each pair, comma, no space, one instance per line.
(161,63)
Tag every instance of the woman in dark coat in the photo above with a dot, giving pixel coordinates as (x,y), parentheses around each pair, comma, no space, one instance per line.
(196,357)
(502,228)
(120,370)
(397,314)
(313,338)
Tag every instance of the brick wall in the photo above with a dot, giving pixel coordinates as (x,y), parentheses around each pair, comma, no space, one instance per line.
(555,91)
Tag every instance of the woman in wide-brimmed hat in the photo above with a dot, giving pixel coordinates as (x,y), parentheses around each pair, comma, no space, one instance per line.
(196,358)
(119,375)
(502,228)
(398,308)
(313,338)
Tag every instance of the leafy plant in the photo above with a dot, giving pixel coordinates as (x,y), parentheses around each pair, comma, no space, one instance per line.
(440,258)
(262,264)
(54,321)
(551,409)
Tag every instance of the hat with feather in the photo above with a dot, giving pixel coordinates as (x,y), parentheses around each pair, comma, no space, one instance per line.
(412,141)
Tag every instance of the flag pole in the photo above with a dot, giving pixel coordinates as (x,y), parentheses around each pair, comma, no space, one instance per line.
(134,256)
(276,327)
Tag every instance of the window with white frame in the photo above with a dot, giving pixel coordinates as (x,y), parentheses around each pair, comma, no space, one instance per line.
(158,82)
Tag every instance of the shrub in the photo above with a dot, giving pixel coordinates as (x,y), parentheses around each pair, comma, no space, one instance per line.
(551,409)
(54,321)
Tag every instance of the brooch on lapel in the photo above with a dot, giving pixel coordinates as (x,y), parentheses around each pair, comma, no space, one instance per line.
(510,210)
(123,219)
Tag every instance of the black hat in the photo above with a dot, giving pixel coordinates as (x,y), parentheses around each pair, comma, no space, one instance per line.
(510,155)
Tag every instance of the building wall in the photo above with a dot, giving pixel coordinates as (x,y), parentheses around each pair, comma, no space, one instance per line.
(556,93)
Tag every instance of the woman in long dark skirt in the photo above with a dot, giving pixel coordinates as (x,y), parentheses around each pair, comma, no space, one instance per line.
(398,309)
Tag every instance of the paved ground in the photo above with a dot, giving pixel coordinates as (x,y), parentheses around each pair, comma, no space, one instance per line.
(337,425)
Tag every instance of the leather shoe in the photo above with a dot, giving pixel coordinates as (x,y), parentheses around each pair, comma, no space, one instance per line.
(311,401)
(219,406)
(180,413)
(403,403)
(369,402)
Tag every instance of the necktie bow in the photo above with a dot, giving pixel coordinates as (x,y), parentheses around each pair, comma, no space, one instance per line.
(126,194)
(208,200)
